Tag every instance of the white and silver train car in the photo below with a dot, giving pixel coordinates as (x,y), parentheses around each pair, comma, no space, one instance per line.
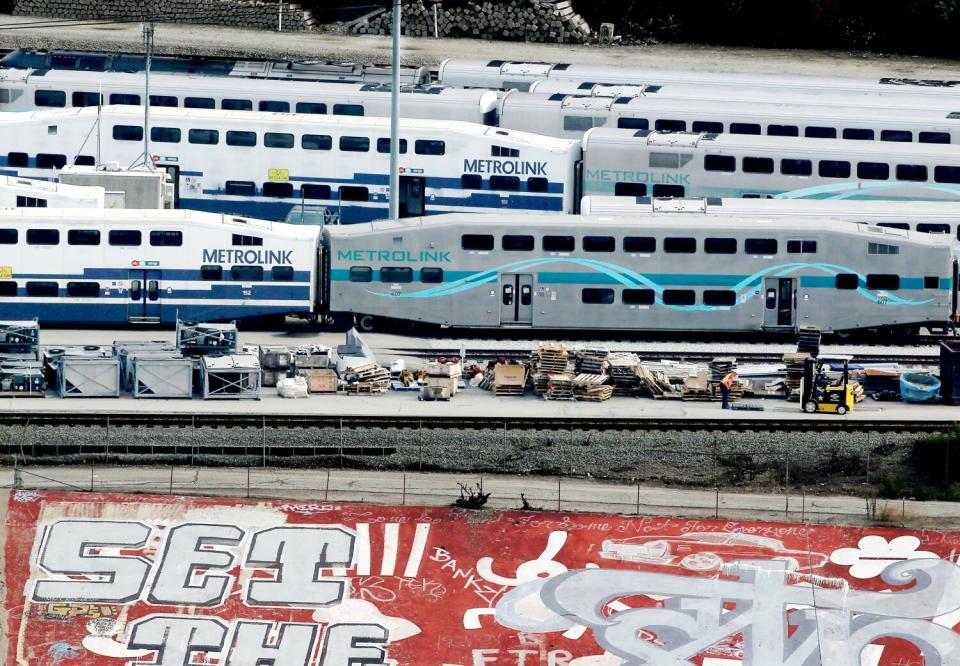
(507,75)
(28,193)
(29,90)
(131,266)
(269,165)
(666,274)
(645,163)
(570,116)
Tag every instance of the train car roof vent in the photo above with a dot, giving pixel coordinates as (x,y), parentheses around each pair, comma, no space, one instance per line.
(496,63)
(642,133)
(714,201)
(557,97)
(642,201)
(652,89)
(562,66)
(586,85)
(709,136)
(953,115)
(623,100)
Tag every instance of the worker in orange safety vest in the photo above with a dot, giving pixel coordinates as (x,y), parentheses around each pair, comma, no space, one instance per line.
(725,385)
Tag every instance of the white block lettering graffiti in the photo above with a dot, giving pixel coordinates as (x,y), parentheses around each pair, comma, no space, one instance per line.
(74,548)
(354,645)
(251,645)
(176,640)
(183,555)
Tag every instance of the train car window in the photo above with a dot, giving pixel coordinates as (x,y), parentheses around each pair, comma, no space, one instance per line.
(833,169)
(8,236)
(199,103)
(896,135)
(353,193)
(383,145)
(241,139)
(85,99)
(934,137)
(316,108)
(208,137)
(783,130)
(680,245)
(513,243)
(477,242)
(246,273)
(361,274)
(164,100)
(273,106)
(847,281)
(558,244)
(83,289)
(243,240)
(883,281)
(18,159)
(8,288)
(794,167)
(83,237)
(720,245)
(43,236)
(820,132)
(946,174)
(537,184)
(757,165)
(931,282)
(48,161)
(912,172)
(429,147)
(316,142)
(165,134)
(933,228)
(744,128)
(56,98)
(471,181)
(166,238)
(348,109)
(595,296)
(706,126)
(638,297)
(31,202)
(211,272)
(640,244)
(577,123)
(127,133)
(278,140)
(633,123)
(858,134)
(801,247)
(873,170)
(667,125)
(85,160)
(236,105)
(240,188)
(354,144)
(679,297)
(278,190)
(281,273)
(311,191)
(760,246)
(502,151)
(124,237)
(431,275)
(726,163)
(509,183)
(391,274)
(894,225)
(668,190)
(630,190)
(125,99)
(42,289)
(599,244)
(882,248)
(719,297)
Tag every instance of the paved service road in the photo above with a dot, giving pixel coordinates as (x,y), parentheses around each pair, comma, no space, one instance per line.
(575,495)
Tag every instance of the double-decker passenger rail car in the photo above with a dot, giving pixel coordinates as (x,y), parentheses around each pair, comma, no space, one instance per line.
(645,163)
(609,273)
(518,75)
(268,165)
(134,266)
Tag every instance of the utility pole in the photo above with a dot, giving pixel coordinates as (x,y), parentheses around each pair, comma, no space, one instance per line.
(395,117)
(146,160)
(279,15)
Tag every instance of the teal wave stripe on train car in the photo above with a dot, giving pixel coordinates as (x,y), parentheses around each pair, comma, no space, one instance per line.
(744,288)
(873,190)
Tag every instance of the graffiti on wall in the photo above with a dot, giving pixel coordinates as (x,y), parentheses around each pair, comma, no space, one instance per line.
(156,581)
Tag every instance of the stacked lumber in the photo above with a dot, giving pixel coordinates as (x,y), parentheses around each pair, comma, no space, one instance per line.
(794,362)
(592,388)
(592,360)
(366,378)
(520,20)
(624,370)
(559,387)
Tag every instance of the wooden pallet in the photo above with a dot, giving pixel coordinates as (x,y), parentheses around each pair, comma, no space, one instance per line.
(508,390)
(364,388)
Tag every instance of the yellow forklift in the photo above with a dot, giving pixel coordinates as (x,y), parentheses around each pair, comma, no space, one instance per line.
(820,393)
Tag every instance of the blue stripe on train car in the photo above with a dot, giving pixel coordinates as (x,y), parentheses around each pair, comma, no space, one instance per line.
(118,313)
(179,274)
(216,291)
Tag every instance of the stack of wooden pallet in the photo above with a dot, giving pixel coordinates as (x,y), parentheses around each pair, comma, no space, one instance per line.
(721,366)
(657,384)
(366,378)
(550,357)
(559,387)
(624,370)
(593,388)
(794,362)
(592,360)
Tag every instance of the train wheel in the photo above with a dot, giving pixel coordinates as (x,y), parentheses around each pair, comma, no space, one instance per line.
(366,323)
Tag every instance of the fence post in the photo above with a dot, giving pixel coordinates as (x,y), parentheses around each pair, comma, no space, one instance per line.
(171,480)
(638,498)
(558,493)
(263,439)
(403,496)
(248,481)
(420,444)
(716,503)
(326,491)
(92,466)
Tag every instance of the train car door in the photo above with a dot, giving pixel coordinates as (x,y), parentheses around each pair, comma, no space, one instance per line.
(144,302)
(779,304)
(516,299)
(411,196)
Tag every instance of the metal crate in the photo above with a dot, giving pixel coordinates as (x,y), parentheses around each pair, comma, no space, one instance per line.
(197,339)
(158,376)
(88,377)
(22,378)
(235,377)
(20,338)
